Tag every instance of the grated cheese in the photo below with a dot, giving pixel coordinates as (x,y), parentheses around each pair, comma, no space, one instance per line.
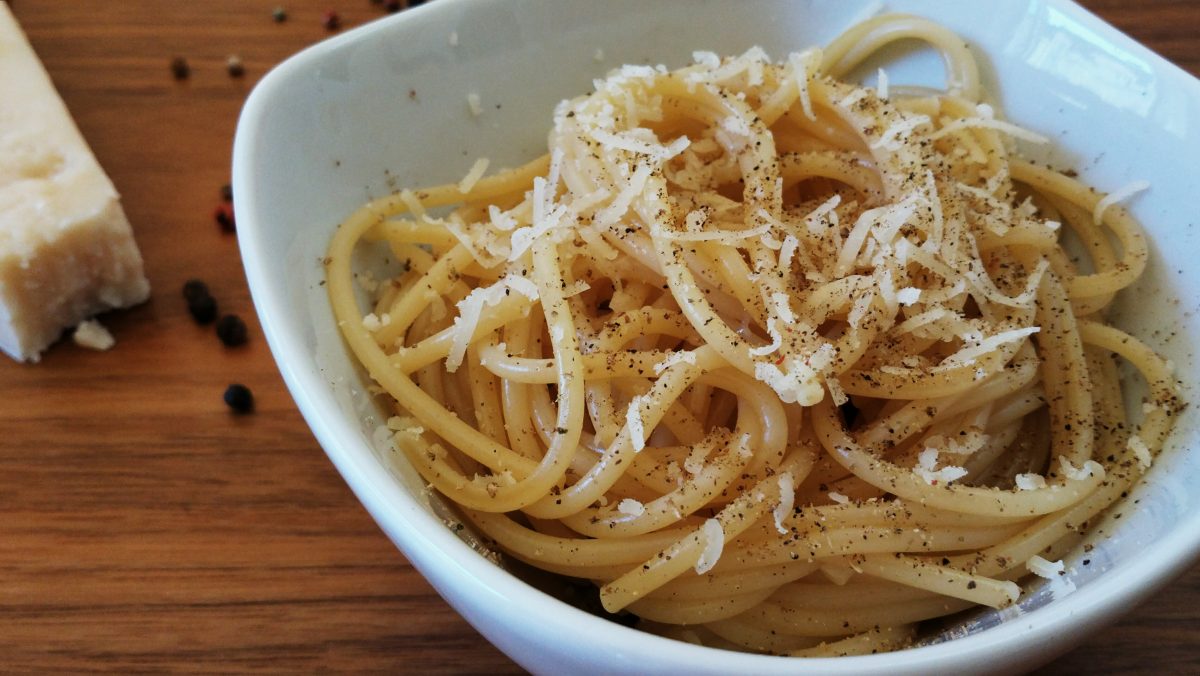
(774,345)
(1030,482)
(92,335)
(681,357)
(631,507)
(1119,195)
(839,498)
(801,64)
(714,542)
(1089,469)
(474,105)
(633,420)
(988,123)
(1046,569)
(1140,451)
(787,501)
(927,460)
(908,295)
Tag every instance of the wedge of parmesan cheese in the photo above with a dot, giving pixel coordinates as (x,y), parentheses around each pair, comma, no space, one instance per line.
(66,249)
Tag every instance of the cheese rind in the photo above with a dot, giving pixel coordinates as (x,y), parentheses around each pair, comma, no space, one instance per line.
(66,248)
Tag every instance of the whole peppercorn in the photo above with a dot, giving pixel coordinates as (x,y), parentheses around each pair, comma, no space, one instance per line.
(203,309)
(239,398)
(223,215)
(231,330)
(234,66)
(331,21)
(195,289)
(180,68)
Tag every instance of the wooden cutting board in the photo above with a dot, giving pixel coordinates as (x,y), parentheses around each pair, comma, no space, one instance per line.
(144,527)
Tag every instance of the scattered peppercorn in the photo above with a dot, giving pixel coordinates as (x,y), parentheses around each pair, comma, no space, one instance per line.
(234,66)
(180,68)
(331,21)
(203,309)
(227,192)
(239,398)
(231,330)
(393,6)
(224,217)
(195,289)
(279,14)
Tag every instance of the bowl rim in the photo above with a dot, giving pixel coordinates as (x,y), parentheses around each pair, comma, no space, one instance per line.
(426,542)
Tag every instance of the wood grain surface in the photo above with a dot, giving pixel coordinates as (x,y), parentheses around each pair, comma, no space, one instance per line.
(145,527)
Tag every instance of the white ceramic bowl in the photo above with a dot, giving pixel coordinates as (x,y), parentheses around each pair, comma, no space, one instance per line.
(386,106)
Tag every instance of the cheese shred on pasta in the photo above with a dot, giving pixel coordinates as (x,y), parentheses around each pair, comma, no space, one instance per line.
(796,363)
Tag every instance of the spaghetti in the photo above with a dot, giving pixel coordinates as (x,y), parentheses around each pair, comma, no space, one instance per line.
(782,363)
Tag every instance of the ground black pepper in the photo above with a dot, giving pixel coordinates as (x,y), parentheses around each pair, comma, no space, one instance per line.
(279,14)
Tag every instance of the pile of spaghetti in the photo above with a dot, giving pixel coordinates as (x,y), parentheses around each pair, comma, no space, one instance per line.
(781,363)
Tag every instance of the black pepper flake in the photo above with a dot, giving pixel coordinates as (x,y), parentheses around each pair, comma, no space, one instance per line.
(239,398)
(180,68)
(971,584)
(231,330)
(227,193)
(279,14)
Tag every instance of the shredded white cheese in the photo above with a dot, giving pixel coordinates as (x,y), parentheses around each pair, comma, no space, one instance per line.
(908,295)
(839,498)
(680,357)
(92,335)
(774,345)
(1030,482)
(1090,468)
(988,123)
(1043,568)
(927,461)
(631,507)
(787,501)
(633,420)
(1119,195)
(714,542)
(1140,451)
(474,105)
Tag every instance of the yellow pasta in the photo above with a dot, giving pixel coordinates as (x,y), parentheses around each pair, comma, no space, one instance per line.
(780,362)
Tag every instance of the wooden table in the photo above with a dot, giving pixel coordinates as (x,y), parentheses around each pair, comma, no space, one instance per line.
(144,527)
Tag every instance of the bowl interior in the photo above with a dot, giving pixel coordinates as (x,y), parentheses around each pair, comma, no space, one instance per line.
(386,107)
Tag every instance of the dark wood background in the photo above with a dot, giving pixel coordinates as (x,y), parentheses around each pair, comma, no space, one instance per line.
(144,527)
